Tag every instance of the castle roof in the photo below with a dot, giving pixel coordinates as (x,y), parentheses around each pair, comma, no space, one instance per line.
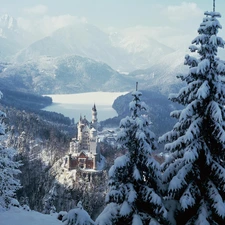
(84,120)
(94,108)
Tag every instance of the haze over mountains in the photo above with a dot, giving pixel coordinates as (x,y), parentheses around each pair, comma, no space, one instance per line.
(77,58)
(124,53)
(82,58)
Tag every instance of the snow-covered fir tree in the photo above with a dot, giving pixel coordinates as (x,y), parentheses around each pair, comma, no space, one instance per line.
(77,216)
(134,179)
(194,173)
(8,170)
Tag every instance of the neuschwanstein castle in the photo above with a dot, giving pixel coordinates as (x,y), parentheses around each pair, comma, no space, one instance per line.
(84,152)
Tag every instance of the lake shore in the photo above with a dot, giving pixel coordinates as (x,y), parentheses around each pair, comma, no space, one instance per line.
(76,105)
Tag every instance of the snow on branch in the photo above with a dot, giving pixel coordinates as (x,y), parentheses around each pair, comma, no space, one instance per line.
(132,195)
(203,215)
(217,41)
(186,113)
(221,67)
(136,174)
(136,220)
(192,48)
(215,111)
(219,170)
(191,154)
(178,181)
(121,161)
(187,199)
(108,215)
(203,66)
(125,209)
(169,136)
(212,14)
(77,216)
(172,168)
(190,60)
(204,90)
(136,93)
(218,203)
(175,113)
(201,39)
(111,171)
(150,195)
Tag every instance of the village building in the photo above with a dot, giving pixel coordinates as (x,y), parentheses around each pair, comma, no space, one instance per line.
(84,152)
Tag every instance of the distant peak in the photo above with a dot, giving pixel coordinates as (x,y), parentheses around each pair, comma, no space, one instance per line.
(7,21)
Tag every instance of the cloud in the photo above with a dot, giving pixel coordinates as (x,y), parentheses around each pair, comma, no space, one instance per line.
(43,26)
(184,12)
(168,35)
(178,29)
(36,10)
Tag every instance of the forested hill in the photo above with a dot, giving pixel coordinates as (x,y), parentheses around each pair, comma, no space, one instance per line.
(158,112)
(23,100)
(27,120)
(32,103)
(41,138)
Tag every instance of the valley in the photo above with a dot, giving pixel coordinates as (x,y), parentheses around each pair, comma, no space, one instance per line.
(117,124)
(47,84)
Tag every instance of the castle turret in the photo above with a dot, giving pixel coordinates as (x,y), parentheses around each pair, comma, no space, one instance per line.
(69,161)
(94,116)
(79,129)
(95,161)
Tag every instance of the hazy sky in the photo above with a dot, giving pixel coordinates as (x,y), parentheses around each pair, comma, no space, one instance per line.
(118,13)
(158,17)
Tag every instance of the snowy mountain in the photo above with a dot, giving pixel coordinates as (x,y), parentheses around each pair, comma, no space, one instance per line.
(7,24)
(162,75)
(80,39)
(153,63)
(123,53)
(63,75)
(12,38)
(143,51)
(73,74)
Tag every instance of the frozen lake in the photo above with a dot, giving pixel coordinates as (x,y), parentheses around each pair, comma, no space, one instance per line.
(74,105)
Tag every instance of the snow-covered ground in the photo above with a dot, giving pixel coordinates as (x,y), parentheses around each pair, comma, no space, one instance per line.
(74,105)
(17,216)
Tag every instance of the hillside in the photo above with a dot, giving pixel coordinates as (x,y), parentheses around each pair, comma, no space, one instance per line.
(63,75)
(159,110)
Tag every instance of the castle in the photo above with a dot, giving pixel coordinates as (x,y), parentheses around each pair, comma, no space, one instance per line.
(84,152)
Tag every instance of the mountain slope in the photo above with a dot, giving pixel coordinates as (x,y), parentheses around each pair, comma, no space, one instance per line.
(143,51)
(162,75)
(159,110)
(123,53)
(63,75)
(12,38)
(81,39)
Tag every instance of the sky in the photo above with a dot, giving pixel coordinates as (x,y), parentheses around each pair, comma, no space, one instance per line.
(159,18)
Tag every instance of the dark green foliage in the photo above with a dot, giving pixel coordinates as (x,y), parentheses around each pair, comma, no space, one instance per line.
(134,179)
(194,174)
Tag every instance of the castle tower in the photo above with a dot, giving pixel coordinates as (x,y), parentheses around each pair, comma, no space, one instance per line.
(95,161)
(79,128)
(94,116)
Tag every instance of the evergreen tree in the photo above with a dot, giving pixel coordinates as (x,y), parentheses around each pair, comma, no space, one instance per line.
(194,173)
(134,179)
(77,216)
(8,169)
